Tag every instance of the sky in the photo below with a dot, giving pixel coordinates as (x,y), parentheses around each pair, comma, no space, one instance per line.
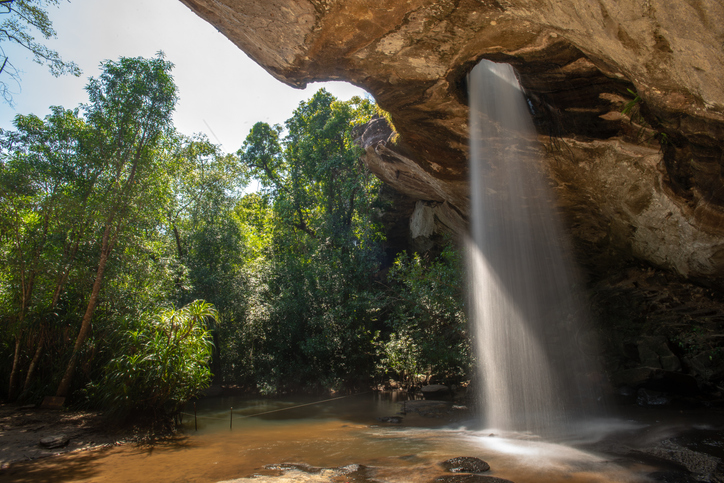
(222,92)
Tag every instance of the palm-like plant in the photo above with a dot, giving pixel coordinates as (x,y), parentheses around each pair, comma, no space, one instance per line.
(164,362)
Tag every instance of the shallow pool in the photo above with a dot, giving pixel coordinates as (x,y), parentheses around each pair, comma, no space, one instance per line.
(241,442)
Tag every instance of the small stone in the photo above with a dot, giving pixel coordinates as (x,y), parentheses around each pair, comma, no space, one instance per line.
(465,464)
(353,468)
(54,441)
(469,479)
(390,419)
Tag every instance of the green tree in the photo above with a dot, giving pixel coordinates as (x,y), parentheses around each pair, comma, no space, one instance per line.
(400,354)
(316,295)
(56,196)
(106,215)
(428,317)
(129,112)
(243,331)
(20,19)
(44,190)
(206,235)
(163,362)
(314,174)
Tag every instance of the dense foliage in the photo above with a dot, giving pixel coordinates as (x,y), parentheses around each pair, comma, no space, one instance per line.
(316,304)
(162,361)
(429,323)
(110,220)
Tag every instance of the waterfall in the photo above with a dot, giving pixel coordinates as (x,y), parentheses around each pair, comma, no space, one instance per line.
(532,338)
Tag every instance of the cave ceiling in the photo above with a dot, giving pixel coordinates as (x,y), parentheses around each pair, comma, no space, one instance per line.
(647,181)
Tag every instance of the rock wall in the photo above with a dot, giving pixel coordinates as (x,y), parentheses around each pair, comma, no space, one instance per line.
(628,98)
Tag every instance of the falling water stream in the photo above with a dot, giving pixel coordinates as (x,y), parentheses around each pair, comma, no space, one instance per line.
(531,330)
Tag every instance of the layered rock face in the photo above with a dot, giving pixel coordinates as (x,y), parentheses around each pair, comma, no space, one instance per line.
(628,98)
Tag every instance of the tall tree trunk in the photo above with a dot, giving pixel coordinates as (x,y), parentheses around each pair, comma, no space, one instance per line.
(34,362)
(63,273)
(85,326)
(179,246)
(15,369)
(110,236)
(27,285)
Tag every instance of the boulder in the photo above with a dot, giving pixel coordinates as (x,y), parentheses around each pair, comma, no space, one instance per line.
(465,464)
(657,380)
(435,389)
(709,365)
(654,352)
(428,408)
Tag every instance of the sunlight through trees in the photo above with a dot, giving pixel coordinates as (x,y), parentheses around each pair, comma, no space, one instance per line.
(137,267)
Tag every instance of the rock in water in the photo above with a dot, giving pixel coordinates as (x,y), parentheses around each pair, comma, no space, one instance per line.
(435,388)
(469,479)
(465,464)
(390,419)
(54,441)
(434,391)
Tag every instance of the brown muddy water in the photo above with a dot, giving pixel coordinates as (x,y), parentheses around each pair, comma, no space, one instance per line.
(328,435)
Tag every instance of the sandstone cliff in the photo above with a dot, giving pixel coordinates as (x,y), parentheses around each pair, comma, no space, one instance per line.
(646,183)
(628,97)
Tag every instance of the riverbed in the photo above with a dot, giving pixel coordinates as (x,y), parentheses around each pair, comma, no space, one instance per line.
(382,438)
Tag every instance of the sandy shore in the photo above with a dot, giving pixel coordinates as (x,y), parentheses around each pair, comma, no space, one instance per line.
(22,428)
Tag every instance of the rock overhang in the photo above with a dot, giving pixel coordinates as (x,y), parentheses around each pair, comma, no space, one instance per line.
(580,64)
